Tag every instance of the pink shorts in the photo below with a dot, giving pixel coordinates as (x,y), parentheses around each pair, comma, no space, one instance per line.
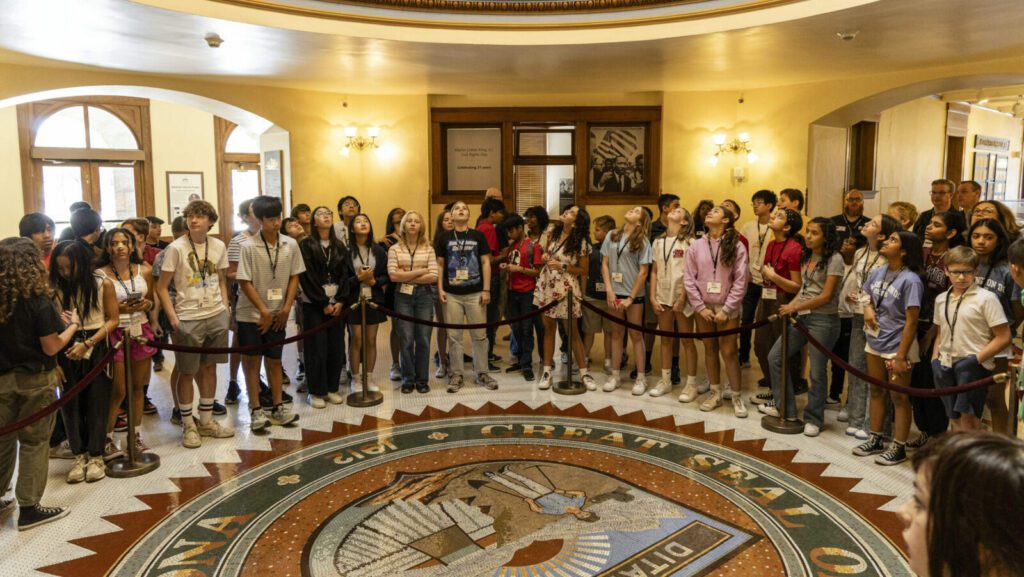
(140,351)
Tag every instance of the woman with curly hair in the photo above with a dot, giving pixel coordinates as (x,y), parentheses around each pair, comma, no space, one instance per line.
(716,281)
(625,264)
(566,259)
(32,332)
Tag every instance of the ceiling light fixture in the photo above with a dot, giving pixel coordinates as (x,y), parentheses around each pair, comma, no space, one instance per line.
(982,99)
(847,35)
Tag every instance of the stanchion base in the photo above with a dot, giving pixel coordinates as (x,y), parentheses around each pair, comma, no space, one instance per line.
(569,388)
(783,426)
(365,398)
(120,468)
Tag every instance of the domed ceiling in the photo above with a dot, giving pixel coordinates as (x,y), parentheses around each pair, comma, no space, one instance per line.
(694,7)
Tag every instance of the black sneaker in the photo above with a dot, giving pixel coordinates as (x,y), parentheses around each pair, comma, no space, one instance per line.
(422,388)
(38,515)
(267,399)
(148,408)
(219,409)
(528,374)
(919,442)
(896,454)
(676,379)
(632,374)
(493,368)
(407,388)
(872,446)
(285,381)
(233,391)
(176,416)
(493,358)
(514,368)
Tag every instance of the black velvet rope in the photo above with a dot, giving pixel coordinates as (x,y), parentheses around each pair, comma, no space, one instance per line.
(248,348)
(943,392)
(442,325)
(65,398)
(673,334)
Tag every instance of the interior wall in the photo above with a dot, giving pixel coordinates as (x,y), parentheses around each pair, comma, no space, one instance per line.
(910,153)
(10,172)
(985,122)
(826,167)
(182,142)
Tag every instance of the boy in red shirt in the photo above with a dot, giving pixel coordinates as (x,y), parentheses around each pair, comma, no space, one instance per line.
(523,266)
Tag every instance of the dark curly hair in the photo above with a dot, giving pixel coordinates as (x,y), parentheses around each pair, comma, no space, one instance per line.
(133,254)
(999,254)
(22,275)
(831,243)
(579,234)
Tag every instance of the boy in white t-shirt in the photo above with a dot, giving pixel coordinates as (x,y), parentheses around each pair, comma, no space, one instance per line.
(197,264)
(971,328)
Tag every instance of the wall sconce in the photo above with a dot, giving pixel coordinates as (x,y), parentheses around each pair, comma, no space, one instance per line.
(740,144)
(354,140)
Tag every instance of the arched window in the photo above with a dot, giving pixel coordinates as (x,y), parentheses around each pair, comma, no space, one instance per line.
(238,171)
(92,149)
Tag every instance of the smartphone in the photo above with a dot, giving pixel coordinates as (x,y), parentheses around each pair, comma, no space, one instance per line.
(134,297)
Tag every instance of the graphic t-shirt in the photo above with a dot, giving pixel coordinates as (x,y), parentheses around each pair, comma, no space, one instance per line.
(525,253)
(891,293)
(814,278)
(197,269)
(463,254)
(623,263)
(670,261)
(935,281)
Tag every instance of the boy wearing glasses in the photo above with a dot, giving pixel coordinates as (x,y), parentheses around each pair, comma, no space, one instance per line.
(971,328)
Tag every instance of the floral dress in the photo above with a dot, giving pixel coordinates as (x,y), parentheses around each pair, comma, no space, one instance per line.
(553,285)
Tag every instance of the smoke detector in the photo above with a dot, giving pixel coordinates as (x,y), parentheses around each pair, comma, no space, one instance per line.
(213,40)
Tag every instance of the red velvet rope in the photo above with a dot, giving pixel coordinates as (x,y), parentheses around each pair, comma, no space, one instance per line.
(65,398)
(945,391)
(441,325)
(673,334)
(248,348)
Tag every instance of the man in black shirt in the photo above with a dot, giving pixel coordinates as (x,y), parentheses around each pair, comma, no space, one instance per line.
(852,219)
(666,204)
(942,201)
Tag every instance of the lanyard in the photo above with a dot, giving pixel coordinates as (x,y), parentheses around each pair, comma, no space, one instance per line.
(206,256)
(277,254)
(667,254)
(956,313)
(714,256)
(811,265)
(866,266)
(881,296)
(984,281)
(359,255)
(620,250)
(131,279)
(760,240)
(776,255)
(461,248)
(412,255)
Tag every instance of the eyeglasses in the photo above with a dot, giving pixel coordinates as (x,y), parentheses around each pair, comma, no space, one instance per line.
(960,273)
(324,213)
(987,210)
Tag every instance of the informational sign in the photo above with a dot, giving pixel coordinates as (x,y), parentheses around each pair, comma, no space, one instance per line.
(991,143)
(273,173)
(182,188)
(474,159)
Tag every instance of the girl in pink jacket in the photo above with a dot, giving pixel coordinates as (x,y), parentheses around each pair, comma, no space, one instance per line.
(715,277)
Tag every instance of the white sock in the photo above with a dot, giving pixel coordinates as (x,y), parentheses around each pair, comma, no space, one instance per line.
(205,410)
(584,371)
(691,380)
(549,370)
(716,388)
(615,373)
(640,376)
(666,374)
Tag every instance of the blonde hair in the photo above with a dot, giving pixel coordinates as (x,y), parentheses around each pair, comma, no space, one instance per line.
(907,212)
(639,234)
(421,237)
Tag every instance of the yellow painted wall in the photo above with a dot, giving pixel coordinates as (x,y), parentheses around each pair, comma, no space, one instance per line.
(182,142)
(10,173)
(910,153)
(988,123)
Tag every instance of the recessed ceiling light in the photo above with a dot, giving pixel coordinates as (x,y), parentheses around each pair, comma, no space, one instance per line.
(847,35)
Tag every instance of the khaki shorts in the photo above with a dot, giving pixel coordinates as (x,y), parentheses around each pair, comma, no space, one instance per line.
(210,332)
(592,322)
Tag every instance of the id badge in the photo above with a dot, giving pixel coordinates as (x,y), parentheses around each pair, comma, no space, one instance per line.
(406,288)
(136,326)
(946,360)
(617,277)
(366,292)
(599,287)
(769,294)
(274,295)
(330,290)
(803,312)
(840,229)
(714,288)
(461,274)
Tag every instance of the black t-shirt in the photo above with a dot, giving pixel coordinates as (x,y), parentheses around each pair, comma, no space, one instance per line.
(846,229)
(463,254)
(20,350)
(594,275)
(657,229)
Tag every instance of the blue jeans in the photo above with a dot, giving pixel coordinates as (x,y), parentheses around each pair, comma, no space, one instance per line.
(824,328)
(413,338)
(520,304)
(963,371)
(750,301)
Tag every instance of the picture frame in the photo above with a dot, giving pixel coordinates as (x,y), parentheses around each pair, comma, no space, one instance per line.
(273,173)
(472,158)
(617,159)
(182,188)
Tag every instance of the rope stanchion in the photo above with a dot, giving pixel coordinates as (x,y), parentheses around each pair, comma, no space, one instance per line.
(782,424)
(673,334)
(943,392)
(443,325)
(248,348)
(569,386)
(134,463)
(64,398)
(365,397)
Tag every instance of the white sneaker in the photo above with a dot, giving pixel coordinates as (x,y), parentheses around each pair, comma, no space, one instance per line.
(811,430)
(589,382)
(335,398)
(663,387)
(95,470)
(215,429)
(738,408)
(282,416)
(190,438)
(77,472)
(843,415)
(439,373)
(727,392)
(703,386)
(610,385)
(371,383)
(862,435)
(545,381)
(689,394)
(317,402)
(640,386)
(768,409)
(711,402)
(608,367)
(258,420)
(395,374)
(851,431)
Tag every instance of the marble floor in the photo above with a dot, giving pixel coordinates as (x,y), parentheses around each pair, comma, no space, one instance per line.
(509,482)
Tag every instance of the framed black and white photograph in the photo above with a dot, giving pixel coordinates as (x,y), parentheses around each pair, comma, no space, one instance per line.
(616,160)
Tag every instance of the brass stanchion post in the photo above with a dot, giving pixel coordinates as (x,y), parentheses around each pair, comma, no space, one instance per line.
(781,424)
(569,386)
(365,397)
(133,464)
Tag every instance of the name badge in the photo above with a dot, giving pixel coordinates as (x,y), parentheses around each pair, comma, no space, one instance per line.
(946,360)
(406,288)
(769,294)
(599,287)
(366,291)
(841,228)
(617,277)
(330,290)
(274,295)
(136,326)
(714,288)
(803,312)
(461,274)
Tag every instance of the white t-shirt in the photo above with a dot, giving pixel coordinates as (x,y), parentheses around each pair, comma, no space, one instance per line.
(979,312)
(197,276)
(669,257)
(757,236)
(864,261)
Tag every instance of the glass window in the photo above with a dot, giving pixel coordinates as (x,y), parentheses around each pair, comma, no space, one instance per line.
(245,184)
(62,185)
(117,192)
(63,129)
(242,141)
(109,131)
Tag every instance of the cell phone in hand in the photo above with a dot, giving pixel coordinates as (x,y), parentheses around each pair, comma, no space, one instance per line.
(134,297)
